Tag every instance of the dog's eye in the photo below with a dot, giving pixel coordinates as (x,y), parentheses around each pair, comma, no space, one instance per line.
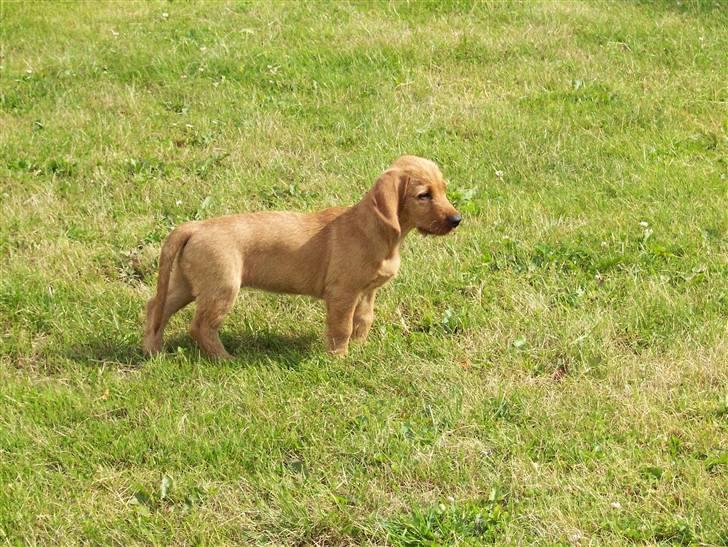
(424,196)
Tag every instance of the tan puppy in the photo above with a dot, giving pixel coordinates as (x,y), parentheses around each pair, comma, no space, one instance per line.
(342,255)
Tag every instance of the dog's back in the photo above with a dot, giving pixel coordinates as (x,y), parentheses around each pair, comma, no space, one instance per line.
(283,252)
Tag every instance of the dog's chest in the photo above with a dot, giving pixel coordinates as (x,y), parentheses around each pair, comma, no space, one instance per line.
(388,268)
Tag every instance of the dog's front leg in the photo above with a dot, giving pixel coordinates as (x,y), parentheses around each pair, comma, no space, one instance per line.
(339,321)
(364,315)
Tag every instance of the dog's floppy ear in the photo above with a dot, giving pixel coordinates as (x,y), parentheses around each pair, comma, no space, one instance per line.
(387,198)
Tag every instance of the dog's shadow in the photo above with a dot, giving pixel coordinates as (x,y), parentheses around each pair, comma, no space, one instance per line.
(248,349)
(253,348)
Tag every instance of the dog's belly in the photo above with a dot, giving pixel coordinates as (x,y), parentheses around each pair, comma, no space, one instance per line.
(290,272)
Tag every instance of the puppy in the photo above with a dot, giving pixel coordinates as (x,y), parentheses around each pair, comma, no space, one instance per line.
(341,255)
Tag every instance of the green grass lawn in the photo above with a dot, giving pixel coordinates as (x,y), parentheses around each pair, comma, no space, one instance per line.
(556,371)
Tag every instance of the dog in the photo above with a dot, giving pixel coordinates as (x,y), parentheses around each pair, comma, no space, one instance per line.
(342,255)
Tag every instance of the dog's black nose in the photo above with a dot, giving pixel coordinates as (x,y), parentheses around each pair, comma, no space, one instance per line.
(454,220)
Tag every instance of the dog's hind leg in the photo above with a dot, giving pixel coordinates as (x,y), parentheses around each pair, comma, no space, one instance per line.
(178,297)
(212,307)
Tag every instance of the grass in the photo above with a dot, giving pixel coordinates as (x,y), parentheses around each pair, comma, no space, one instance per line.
(554,372)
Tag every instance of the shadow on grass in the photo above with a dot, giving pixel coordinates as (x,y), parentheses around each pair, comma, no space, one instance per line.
(285,349)
(107,351)
(247,348)
(254,348)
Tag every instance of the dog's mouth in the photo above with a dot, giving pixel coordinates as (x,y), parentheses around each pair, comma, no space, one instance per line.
(434,230)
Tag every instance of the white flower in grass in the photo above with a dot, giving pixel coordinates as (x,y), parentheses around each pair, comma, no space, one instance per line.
(615,505)
(646,231)
(575,537)
(499,174)
(165,15)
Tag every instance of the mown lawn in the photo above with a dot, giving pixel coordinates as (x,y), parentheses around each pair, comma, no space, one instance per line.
(556,371)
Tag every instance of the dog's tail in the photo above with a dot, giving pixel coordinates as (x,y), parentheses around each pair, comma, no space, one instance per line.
(170,249)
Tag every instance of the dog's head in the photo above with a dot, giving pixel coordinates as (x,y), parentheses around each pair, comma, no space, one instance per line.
(411,194)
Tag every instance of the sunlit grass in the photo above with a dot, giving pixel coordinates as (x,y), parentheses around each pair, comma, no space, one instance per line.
(553,372)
